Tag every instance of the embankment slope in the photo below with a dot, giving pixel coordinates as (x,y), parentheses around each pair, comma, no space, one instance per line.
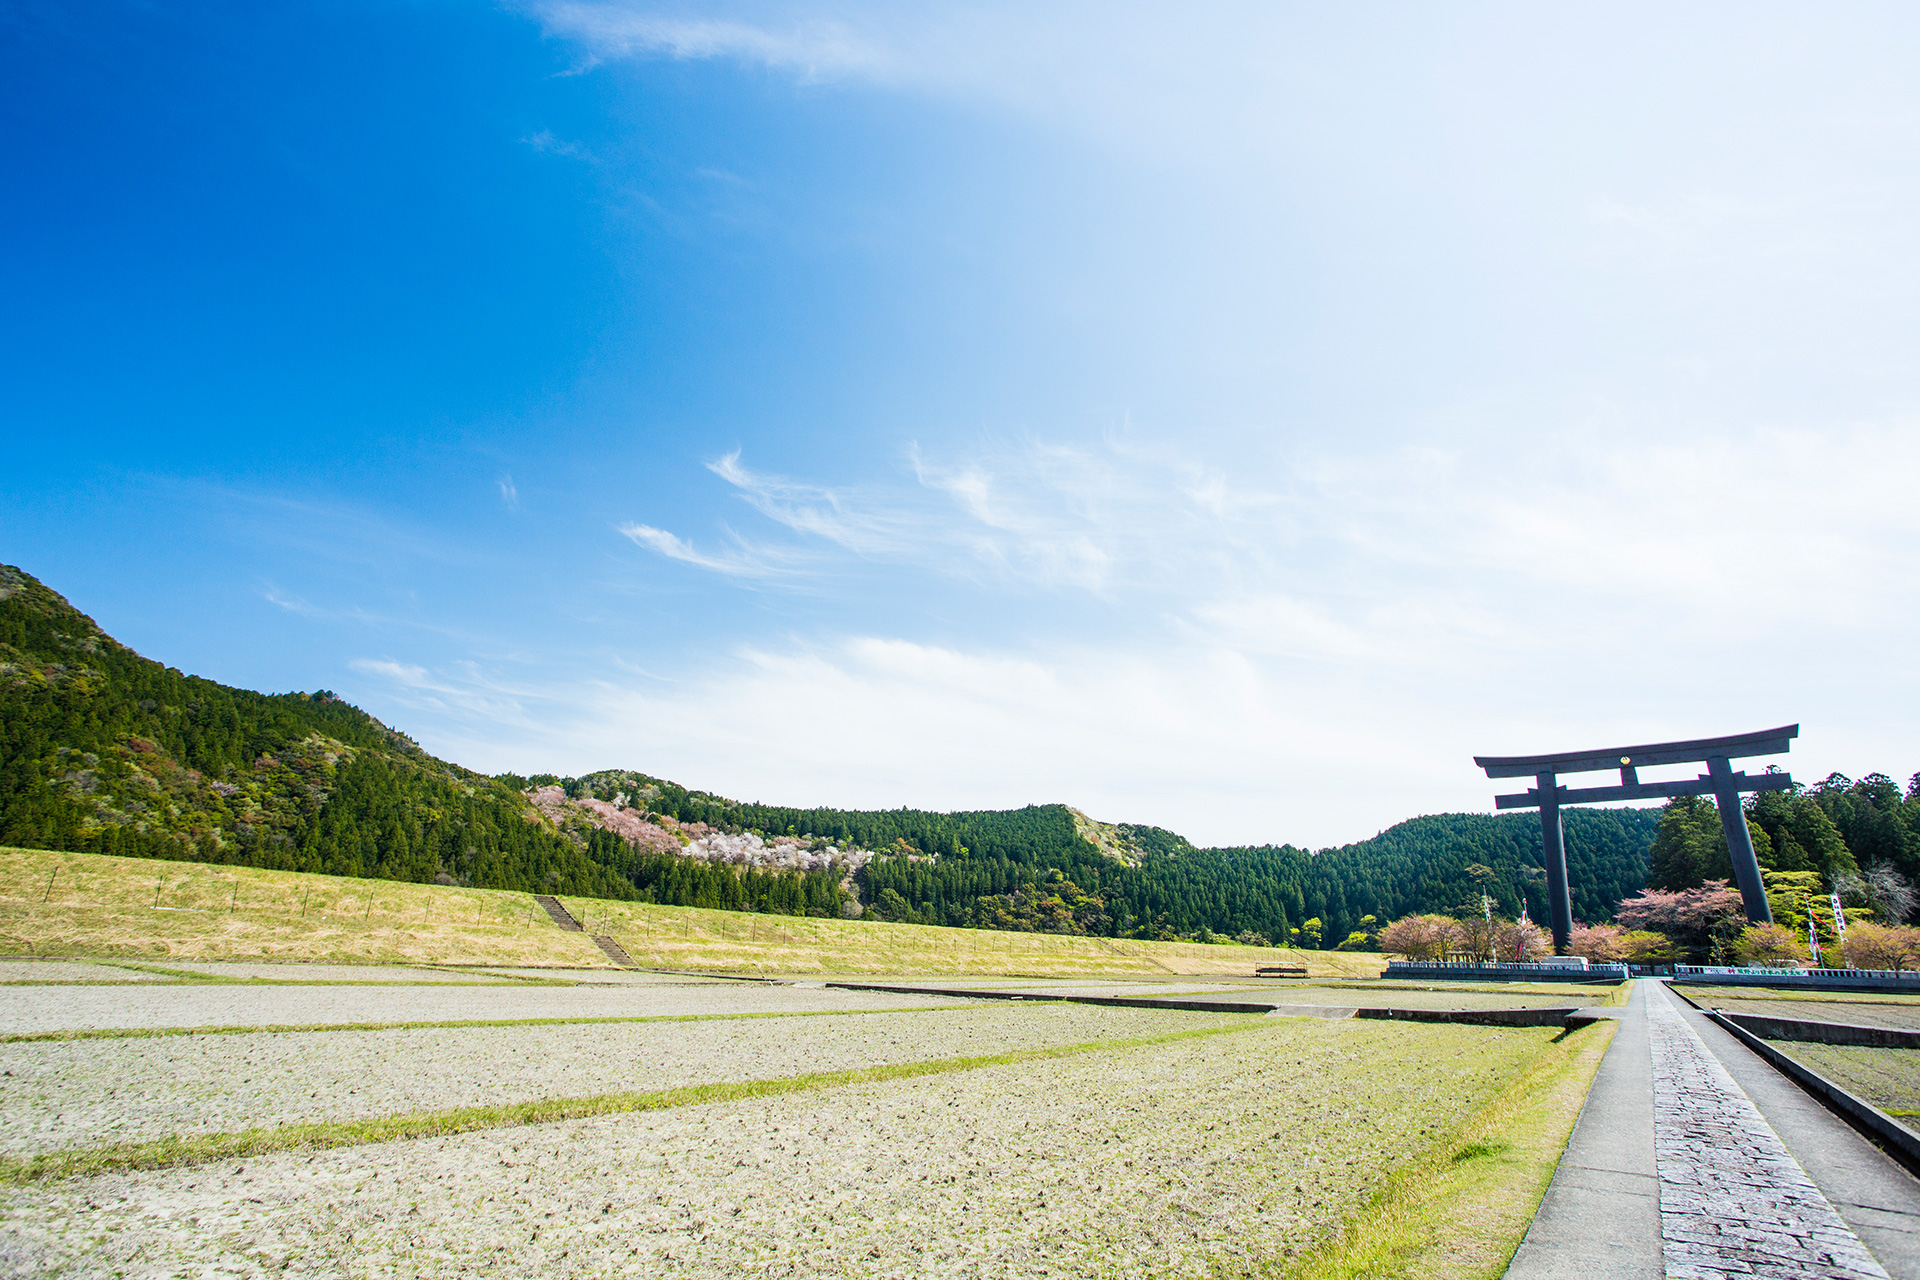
(72,904)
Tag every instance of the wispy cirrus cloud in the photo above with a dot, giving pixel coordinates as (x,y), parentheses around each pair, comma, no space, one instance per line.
(1408,550)
(813,49)
(866,525)
(1029,516)
(408,674)
(759,562)
(547,143)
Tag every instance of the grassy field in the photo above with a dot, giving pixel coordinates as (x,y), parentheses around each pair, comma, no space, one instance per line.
(743,942)
(1460,1209)
(1717,995)
(1329,1150)
(998,1144)
(1888,1078)
(76,904)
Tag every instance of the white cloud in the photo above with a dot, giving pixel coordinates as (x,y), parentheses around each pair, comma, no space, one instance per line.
(810,509)
(876,722)
(1309,660)
(812,49)
(464,693)
(1410,553)
(746,561)
(413,677)
(292,604)
(545,141)
(508,493)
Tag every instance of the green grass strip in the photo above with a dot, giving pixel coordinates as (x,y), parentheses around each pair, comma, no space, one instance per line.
(482,973)
(1459,1209)
(149,1033)
(165,1153)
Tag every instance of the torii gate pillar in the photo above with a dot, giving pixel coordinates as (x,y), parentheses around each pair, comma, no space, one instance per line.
(1721,781)
(1553,848)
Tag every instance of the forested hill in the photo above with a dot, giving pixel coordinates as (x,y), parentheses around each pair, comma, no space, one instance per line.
(1045,867)
(102,750)
(1439,863)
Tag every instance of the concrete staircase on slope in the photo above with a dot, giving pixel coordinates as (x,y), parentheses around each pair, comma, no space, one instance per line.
(561,916)
(557,911)
(614,951)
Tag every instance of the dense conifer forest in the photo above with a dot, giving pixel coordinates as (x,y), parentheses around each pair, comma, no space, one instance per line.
(102,750)
(1838,829)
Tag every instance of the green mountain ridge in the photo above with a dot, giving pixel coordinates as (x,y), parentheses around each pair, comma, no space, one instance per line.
(103,750)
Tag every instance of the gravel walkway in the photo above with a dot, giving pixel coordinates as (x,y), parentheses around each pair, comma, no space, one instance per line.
(82,1093)
(329,972)
(28,1009)
(608,977)
(1218,1155)
(72,971)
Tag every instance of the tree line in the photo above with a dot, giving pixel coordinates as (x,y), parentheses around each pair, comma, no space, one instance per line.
(1854,841)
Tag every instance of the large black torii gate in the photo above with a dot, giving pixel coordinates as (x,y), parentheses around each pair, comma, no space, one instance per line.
(1720,781)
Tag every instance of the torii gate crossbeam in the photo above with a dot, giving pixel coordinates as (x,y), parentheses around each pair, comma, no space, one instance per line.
(1720,781)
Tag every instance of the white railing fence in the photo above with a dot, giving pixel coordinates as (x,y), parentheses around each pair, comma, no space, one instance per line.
(1794,971)
(1557,965)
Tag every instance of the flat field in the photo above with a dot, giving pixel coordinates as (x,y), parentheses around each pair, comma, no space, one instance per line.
(1899,1012)
(663,1125)
(77,904)
(1888,1078)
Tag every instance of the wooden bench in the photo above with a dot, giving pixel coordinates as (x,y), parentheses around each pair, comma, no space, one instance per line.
(1281,971)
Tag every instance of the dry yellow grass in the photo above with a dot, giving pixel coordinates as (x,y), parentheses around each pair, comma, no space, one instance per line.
(67,904)
(743,942)
(60,904)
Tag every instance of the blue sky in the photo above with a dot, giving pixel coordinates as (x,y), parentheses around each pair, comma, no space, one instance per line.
(1231,420)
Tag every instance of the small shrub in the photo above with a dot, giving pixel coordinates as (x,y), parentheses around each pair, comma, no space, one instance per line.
(1878,946)
(1513,940)
(1421,937)
(1770,944)
(1610,942)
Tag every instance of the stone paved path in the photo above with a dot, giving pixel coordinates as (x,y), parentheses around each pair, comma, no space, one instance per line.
(1733,1200)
